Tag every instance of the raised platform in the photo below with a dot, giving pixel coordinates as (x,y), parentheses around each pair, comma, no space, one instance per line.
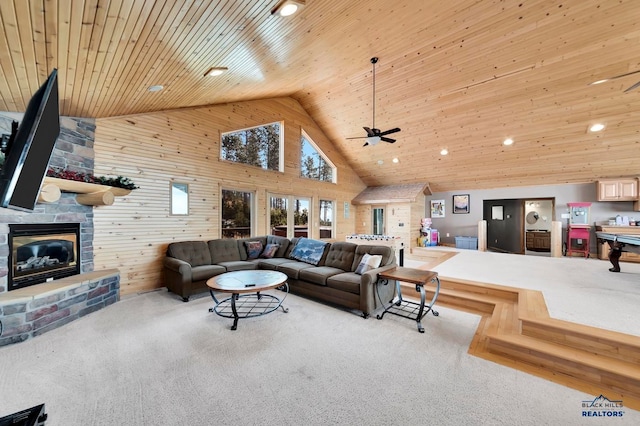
(30,311)
(517,331)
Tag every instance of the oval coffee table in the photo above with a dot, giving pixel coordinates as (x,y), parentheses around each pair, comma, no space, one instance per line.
(246,287)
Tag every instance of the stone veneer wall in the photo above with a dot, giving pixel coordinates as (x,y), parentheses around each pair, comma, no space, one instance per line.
(30,311)
(73,150)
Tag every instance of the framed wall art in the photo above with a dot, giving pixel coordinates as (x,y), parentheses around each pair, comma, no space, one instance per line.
(437,208)
(461,203)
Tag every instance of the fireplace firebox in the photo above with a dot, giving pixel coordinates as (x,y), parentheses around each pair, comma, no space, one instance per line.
(42,252)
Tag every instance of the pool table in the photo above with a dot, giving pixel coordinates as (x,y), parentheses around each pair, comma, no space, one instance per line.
(619,243)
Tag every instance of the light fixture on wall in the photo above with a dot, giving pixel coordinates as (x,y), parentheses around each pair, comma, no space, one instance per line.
(215,71)
(287,7)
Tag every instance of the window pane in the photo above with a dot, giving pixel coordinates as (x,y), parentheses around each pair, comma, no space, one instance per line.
(179,198)
(278,216)
(326,219)
(313,163)
(236,214)
(378,221)
(301,217)
(257,146)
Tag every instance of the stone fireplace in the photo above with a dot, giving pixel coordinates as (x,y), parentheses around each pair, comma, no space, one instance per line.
(37,307)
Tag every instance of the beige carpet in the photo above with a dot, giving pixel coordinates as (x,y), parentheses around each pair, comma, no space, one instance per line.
(152,360)
(575,289)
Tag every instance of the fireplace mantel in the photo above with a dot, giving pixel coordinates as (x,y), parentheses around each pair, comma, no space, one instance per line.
(89,194)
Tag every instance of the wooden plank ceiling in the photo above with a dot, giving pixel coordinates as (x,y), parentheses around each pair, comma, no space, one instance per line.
(459,74)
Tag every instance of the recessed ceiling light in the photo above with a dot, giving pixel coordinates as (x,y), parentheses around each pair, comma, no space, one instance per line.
(287,7)
(395,160)
(599,81)
(155,88)
(444,151)
(507,142)
(596,127)
(215,71)
(380,162)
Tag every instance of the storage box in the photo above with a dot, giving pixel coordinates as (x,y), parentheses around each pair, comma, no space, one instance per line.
(470,243)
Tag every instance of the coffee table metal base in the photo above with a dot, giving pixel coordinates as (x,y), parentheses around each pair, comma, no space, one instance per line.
(250,305)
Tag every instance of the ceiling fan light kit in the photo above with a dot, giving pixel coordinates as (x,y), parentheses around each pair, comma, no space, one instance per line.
(376,135)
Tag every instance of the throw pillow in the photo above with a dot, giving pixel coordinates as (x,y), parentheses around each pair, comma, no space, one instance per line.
(308,251)
(270,251)
(254,248)
(368,263)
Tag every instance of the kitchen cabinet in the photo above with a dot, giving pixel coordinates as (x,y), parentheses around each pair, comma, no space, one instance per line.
(618,190)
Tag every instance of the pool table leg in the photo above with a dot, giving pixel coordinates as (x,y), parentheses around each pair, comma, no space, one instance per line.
(614,256)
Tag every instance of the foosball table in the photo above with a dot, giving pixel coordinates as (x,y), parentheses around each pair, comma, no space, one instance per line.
(380,240)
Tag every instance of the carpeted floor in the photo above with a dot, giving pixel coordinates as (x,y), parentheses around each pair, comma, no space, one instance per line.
(152,360)
(575,289)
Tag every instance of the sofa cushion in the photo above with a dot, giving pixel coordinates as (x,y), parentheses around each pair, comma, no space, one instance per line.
(319,274)
(387,253)
(194,253)
(204,272)
(292,269)
(224,250)
(273,263)
(253,248)
(368,262)
(340,255)
(309,251)
(239,265)
(347,281)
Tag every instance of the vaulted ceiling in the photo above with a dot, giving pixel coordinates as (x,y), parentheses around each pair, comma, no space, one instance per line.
(460,75)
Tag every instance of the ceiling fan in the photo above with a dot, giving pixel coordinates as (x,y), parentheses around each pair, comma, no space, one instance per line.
(635,86)
(376,135)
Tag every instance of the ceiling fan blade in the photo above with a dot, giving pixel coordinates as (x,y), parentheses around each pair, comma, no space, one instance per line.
(623,75)
(387,139)
(635,86)
(369,131)
(388,132)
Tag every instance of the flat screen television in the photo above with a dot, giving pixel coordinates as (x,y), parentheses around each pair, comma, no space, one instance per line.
(28,149)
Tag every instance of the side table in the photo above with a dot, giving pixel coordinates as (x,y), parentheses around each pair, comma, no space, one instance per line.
(406,308)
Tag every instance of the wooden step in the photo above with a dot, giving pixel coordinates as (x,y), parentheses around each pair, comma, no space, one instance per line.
(612,375)
(623,347)
(484,289)
(473,303)
(516,331)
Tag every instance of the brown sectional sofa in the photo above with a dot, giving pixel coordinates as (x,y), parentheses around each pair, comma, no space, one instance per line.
(189,264)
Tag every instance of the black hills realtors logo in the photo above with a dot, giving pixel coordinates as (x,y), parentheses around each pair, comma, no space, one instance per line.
(602,407)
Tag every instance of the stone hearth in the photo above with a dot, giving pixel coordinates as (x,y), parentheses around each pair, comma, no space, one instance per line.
(36,309)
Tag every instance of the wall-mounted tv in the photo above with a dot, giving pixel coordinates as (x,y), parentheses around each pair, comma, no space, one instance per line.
(28,149)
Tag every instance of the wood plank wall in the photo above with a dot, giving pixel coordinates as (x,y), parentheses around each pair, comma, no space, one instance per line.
(184,146)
